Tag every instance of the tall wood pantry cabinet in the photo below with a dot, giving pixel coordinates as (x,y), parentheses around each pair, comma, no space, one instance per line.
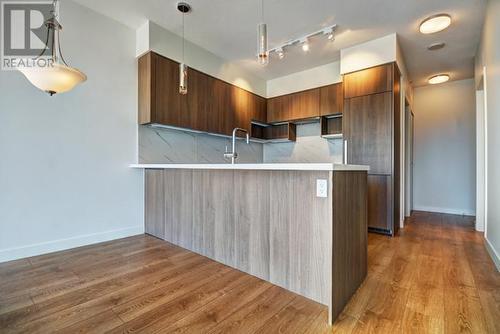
(371,131)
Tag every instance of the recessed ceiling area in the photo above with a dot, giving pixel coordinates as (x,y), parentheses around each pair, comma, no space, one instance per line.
(229,30)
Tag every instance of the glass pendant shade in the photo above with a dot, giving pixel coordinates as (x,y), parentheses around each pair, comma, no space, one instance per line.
(54,79)
(56,76)
(263,56)
(183,79)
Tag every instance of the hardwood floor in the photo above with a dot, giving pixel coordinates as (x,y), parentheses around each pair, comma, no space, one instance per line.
(435,277)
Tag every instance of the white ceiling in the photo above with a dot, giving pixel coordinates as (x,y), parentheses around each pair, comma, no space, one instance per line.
(228,28)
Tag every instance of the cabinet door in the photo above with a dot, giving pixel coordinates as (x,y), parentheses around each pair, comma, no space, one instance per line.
(257,108)
(278,108)
(370,81)
(240,100)
(195,102)
(215,105)
(367,127)
(303,105)
(331,100)
(168,100)
(380,202)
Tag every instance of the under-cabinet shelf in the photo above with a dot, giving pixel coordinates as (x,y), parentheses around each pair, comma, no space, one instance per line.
(273,133)
(331,126)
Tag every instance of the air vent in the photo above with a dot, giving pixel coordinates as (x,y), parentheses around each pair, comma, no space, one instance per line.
(436,46)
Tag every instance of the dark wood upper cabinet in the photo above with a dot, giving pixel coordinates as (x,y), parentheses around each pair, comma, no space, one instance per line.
(370,81)
(331,100)
(211,105)
(295,106)
(367,127)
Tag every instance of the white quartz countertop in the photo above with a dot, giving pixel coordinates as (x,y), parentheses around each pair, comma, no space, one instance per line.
(262,166)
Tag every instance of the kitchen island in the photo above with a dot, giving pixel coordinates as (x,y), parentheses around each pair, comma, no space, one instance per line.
(300,226)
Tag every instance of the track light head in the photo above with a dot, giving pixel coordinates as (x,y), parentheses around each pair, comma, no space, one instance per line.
(305,44)
(329,32)
(281,53)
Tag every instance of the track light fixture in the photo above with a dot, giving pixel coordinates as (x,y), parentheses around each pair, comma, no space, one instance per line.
(329,32)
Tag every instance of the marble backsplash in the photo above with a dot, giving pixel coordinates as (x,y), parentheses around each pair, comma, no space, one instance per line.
(309,147)
(161,145)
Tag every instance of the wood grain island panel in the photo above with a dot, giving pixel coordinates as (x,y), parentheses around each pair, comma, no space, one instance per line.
(270,224)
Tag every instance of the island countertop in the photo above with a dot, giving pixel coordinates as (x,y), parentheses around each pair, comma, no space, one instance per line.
(259,166)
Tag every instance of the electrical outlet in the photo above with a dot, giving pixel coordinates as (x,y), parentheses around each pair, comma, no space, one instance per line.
(321,188)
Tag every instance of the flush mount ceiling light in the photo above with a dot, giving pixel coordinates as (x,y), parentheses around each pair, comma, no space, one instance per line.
(436,46)
(183,69)
(56,76)
(437,79)
(435,23)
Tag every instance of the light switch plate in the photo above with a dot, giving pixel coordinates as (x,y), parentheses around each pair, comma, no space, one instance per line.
(321,188)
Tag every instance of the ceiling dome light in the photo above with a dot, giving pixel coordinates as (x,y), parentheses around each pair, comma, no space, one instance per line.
(440,78)
(305,44)
(435,23)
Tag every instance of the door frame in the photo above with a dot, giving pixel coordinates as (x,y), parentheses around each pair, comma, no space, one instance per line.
(482,155)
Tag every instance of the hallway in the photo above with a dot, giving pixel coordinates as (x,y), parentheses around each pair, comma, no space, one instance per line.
(435,277)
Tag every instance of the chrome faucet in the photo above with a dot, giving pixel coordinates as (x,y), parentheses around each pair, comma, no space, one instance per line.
(233,155)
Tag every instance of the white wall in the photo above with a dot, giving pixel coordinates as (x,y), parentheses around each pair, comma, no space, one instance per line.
(488,57)
(154,37)
(372,53)
(315,77)
(64,175)
(444,170)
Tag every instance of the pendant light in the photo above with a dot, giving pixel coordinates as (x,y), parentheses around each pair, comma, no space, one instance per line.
(262,55)
(57,76)
(183,69)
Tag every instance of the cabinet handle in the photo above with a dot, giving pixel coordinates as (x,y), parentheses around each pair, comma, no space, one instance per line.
(345,152)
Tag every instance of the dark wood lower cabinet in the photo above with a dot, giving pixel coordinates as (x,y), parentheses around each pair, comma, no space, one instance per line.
(380,203)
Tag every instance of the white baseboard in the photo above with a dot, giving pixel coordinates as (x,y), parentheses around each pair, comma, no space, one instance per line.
(445,210)
(493,253)
(10,254)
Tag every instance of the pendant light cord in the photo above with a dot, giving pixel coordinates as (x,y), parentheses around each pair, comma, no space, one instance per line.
(262,11)
(183,39)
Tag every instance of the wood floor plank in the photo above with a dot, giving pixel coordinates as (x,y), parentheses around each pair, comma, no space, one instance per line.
(296,317)
(463,311)
(159,318)
(132,281)
(251,317)
(208,316)
(15,303)
(99,324)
